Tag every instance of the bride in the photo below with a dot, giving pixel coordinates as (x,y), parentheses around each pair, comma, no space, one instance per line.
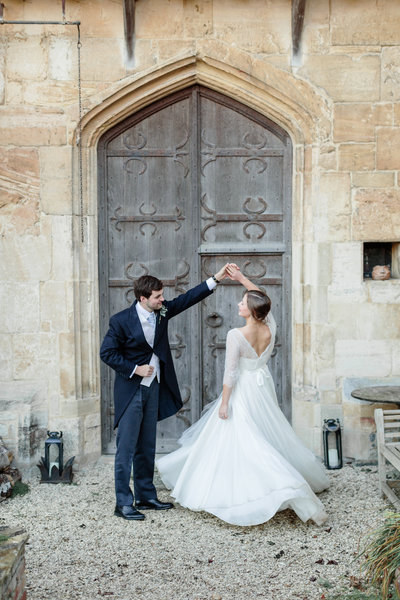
(242,461)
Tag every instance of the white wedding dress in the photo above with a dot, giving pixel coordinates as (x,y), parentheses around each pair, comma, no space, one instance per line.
(245,468)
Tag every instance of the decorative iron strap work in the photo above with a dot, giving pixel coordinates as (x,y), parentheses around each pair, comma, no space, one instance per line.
(147,218)
(249,152)
(138,152)
(178,346)
(181,414)
(257,277)
(249,216)
(180,279)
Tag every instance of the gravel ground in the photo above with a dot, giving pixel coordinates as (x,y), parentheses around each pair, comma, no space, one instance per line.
(78,549)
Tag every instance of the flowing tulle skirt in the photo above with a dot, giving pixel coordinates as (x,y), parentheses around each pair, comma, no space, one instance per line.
(246,468)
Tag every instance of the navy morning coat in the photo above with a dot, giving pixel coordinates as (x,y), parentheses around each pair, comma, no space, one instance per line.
(125,346)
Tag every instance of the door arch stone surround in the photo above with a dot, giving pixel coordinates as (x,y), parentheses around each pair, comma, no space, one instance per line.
(293,104)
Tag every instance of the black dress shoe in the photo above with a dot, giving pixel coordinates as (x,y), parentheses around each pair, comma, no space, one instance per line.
(128,512)
(154,504)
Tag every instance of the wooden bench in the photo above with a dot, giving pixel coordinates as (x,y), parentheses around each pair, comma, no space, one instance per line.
(388,440)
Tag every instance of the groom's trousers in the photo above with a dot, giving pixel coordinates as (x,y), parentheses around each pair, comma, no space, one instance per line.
(136,445)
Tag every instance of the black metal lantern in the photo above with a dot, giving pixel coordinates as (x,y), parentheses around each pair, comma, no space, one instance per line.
(52,465)
(332,438)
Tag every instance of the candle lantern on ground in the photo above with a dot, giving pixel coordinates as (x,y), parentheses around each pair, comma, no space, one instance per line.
(52,465)
(332,438)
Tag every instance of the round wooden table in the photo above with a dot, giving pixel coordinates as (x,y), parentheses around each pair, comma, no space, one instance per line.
(383,394)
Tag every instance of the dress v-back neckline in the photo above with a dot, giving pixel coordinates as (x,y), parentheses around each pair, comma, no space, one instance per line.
(252,347)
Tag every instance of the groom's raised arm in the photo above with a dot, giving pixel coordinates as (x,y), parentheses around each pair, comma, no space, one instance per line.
(190,298)
(194,295)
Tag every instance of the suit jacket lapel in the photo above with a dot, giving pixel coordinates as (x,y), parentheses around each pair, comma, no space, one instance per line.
(135,325)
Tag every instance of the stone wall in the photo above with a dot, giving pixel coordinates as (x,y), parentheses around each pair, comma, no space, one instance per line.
(339,100)
(12,563)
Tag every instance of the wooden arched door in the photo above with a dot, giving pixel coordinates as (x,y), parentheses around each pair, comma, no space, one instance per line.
(187,184)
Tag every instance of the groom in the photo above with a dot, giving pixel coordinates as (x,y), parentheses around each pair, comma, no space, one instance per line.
(146,389)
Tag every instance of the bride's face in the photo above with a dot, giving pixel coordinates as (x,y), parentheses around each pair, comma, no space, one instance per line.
(243,309)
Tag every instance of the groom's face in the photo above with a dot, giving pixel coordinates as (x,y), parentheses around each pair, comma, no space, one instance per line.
(154,301)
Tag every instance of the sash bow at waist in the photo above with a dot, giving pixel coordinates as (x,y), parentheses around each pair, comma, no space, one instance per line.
(261,373)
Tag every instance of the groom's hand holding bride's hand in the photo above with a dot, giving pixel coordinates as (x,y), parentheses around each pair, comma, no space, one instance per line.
(226,271)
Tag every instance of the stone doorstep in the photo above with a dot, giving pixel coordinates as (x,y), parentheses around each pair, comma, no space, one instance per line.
(11,554)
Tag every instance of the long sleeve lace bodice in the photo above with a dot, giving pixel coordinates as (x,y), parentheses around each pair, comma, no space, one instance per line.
(238,348)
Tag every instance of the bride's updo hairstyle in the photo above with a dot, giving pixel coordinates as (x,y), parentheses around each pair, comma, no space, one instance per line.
(258,303)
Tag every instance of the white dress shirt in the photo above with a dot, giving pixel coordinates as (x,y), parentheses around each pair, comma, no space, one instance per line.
(149,332)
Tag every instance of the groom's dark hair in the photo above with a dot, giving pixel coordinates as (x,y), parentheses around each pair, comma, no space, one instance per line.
(145,285)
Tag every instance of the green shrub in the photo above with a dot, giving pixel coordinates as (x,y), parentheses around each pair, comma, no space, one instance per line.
(381,553)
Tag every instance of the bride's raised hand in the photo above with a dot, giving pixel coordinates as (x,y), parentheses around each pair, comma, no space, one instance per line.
(233,272)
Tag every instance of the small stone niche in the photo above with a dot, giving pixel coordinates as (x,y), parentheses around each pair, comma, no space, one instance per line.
(384,254)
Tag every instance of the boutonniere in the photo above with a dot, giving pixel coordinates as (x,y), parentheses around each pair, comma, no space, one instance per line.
(162,313)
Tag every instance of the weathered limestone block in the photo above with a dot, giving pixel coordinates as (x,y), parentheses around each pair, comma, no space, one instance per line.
(147,52)
(395,357)
(173,48)
(326,382)
(100,20)
(325,347)
(344,78)
(53,308)
(373,180)
(306,414)
(343,318)
(35,355)
(328,157)
(197,18)
(384,294)
(378,322)
(111,66)
(63,59)
(21,307)
(60,93)
(67,364)
(73,435)
(12,563)
(27,260)
(333,208)
(330,397)
(6,357)
(56,195)
(376,214)
(355,122)
(33,136)
(2,70)
(391,73)
(265,30)
(346,265)
(62,248)
(55,163)
(372,24)
(23,418)
(19,189)
(165,18)
(361,358)
(92,432)
(356,157)
(397,114)
(26,59)
(388,148)
(306,420)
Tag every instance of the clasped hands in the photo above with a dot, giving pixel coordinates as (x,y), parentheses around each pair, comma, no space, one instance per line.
(230,270)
